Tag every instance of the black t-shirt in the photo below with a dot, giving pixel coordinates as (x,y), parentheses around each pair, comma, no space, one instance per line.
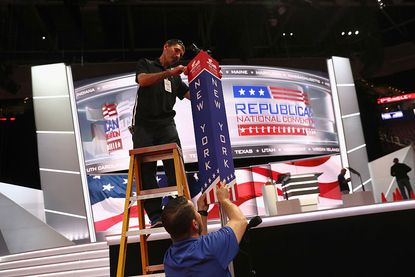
(400,170)
(154,104)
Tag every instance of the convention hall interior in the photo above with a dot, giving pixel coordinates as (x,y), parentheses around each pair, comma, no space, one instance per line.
(99,38)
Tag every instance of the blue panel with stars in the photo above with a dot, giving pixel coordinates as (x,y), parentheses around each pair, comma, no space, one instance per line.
(223,150)
(211,131)
(251,92)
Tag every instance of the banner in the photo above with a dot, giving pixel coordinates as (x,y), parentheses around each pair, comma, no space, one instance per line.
(210,126)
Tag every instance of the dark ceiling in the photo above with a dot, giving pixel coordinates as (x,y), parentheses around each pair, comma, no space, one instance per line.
(86,31)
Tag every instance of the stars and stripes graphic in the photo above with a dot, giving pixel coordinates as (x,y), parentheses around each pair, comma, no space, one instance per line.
(274,92)
(107,197)
(112,127)
(211,190)
(109,110)
(274,129)
(289,94)
(107,192)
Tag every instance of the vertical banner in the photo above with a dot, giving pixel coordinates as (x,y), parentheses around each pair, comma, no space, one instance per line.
(214,150)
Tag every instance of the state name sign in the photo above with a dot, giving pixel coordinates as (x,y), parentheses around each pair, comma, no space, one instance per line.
(213,145)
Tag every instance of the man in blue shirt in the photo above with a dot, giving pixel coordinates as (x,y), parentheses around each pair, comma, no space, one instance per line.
(194,252)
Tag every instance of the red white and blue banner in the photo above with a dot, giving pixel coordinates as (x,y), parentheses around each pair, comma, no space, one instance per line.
(214,150)
(107,192)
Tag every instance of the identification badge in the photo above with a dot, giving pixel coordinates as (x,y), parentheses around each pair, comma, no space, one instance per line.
(167,85)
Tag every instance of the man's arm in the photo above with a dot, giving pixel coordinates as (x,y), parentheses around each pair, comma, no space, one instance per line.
(202,206)
(237,221)
(187,95)
(392,171)
(148,79)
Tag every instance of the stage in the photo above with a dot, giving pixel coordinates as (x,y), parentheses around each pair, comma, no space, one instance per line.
(365,240)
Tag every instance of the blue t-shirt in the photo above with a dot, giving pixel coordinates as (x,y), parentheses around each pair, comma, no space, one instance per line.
(208,255)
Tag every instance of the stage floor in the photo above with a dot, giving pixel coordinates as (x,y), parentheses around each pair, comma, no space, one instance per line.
(367,240)
(307,216)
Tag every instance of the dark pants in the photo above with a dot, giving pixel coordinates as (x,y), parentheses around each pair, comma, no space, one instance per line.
(402,184)
(345,192)
(144,136)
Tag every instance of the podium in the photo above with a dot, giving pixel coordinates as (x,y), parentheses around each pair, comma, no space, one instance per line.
(301,192)
(358,198)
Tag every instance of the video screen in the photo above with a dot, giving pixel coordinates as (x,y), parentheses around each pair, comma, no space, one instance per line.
(399,106)
(270,112)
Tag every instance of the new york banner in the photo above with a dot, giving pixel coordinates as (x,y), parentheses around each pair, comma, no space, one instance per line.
(214,150)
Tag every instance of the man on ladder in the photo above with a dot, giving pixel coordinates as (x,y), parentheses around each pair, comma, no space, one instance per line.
(153,115)
(194,252)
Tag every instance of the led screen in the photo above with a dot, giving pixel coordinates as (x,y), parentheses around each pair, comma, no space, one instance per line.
(392,115)
(270,112)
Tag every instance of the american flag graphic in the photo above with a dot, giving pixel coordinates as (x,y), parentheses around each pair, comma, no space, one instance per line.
(109,110)
(112,127)
(267,92)
(107,196)
(211,191)
(297,119)
(107,192)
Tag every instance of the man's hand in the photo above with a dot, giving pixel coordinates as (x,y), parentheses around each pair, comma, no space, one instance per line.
(222,192)
(149,79)
(178,70)
(202,206)
(201,203)
(237,221)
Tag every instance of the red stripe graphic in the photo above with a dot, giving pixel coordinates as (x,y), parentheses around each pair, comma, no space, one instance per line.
(267,173)
(250,185)
(246,191)
(310,162)
(105,224)
(274,129)
(286,89)
(330,190)
(289,94)
(109,109)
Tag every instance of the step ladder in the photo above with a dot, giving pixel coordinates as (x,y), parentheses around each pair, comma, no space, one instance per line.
(139,156)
